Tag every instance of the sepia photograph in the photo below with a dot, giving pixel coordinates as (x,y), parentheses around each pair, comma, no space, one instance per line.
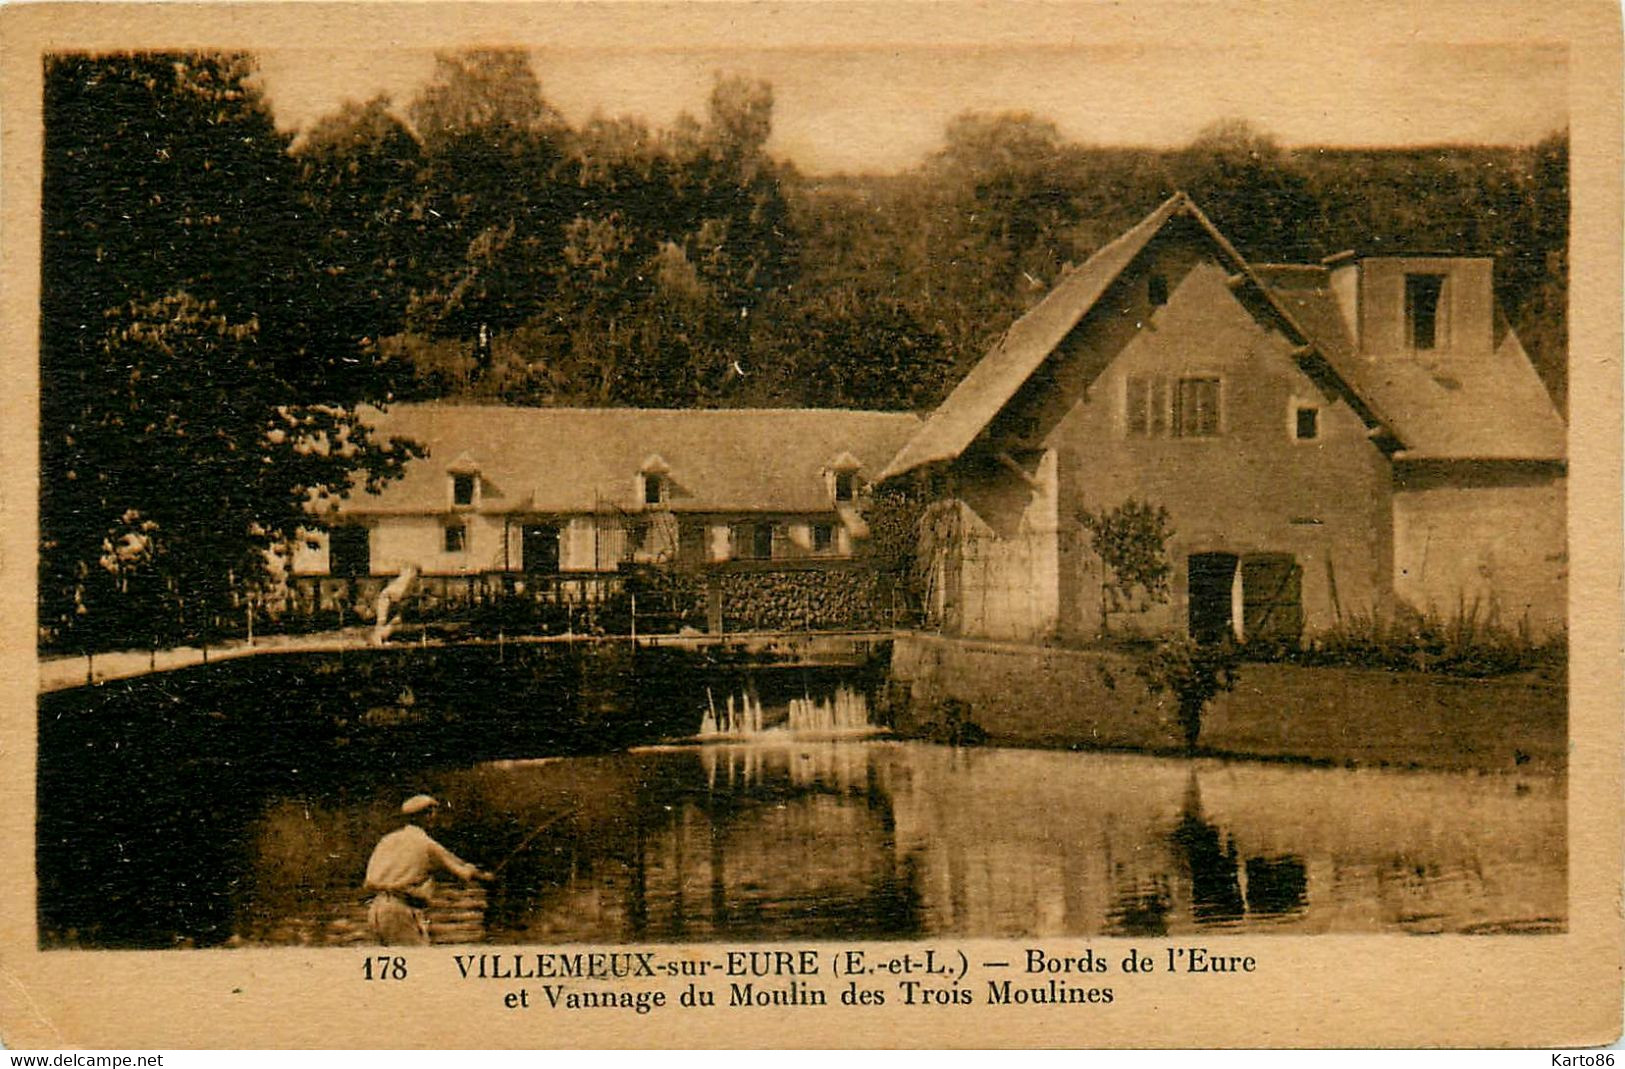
(750,490)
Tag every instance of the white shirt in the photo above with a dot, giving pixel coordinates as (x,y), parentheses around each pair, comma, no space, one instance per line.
(405,859)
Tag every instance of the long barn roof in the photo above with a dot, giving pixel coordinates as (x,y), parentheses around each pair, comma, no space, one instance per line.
(578,460)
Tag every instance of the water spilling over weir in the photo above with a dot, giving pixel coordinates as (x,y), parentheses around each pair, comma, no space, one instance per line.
(844,714)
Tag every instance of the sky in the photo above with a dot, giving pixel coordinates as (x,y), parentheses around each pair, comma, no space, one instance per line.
(878,102)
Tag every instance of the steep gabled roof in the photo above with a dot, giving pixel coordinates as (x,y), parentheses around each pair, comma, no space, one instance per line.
(577,460)
(991,384)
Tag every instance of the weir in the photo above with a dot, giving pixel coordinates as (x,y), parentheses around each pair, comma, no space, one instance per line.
(843,714)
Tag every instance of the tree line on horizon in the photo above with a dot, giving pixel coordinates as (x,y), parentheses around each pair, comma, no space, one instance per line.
(219,296)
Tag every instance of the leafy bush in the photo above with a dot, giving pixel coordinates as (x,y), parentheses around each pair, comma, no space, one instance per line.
(1131,540)
(1194,673)
(1466,644)
(949,723)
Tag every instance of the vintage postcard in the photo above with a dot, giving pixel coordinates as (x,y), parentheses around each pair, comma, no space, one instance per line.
(712,525)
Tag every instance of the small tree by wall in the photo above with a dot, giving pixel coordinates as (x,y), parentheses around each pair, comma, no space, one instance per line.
(1194,673)
(1131,541)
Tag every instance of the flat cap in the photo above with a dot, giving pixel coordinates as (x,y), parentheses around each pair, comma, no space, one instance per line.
(417,804)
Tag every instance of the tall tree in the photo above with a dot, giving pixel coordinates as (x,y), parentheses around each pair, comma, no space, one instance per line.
(189,408)
(357,175)
(489,212)
(730,207)
(1251,189)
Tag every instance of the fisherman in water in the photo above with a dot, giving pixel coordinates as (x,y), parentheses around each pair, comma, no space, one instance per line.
(400,876)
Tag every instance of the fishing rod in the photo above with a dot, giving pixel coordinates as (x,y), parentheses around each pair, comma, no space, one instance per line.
(527,840)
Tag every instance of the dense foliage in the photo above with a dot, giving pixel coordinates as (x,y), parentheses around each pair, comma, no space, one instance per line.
(492,250)
(1131,541)
(219,297)
(195,391)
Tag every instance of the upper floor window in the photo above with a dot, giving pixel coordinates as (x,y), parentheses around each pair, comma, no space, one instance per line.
(1424,321)
(846,486)
(1147,407)
(654,488)
(1158,407)
(456,538)
(1305,423)
(462,489)
(1196,408)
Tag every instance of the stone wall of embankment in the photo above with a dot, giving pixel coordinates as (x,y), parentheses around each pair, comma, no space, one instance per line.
(1039,696)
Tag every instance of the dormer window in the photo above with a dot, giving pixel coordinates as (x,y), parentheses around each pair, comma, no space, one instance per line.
(462,489)
(841,478)
(654,481)
(1424,323)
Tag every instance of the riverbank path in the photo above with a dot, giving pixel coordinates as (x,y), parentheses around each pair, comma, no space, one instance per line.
(60,673)
(802,647)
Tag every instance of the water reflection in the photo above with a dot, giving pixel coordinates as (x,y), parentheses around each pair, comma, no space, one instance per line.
(787,837)
(783,839)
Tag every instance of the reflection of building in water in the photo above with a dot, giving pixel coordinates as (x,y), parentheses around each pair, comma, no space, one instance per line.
(1138,846)
(740,841)
(1012,843)
(884,840)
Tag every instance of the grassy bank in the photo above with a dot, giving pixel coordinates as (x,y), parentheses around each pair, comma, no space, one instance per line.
(1032,696)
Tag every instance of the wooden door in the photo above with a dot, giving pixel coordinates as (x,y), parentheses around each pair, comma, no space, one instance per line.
(1210,578)
(1271,597)
(539,548)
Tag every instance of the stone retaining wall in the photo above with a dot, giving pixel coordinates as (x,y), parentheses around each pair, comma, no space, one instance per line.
(1037,696)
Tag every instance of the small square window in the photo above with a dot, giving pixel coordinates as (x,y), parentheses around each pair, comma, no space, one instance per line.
(846,485)
(823,537)
(456,538)
(1307,423)
(654,489)
(462,489)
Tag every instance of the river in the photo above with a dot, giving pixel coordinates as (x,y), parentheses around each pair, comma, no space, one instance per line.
(782,835)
